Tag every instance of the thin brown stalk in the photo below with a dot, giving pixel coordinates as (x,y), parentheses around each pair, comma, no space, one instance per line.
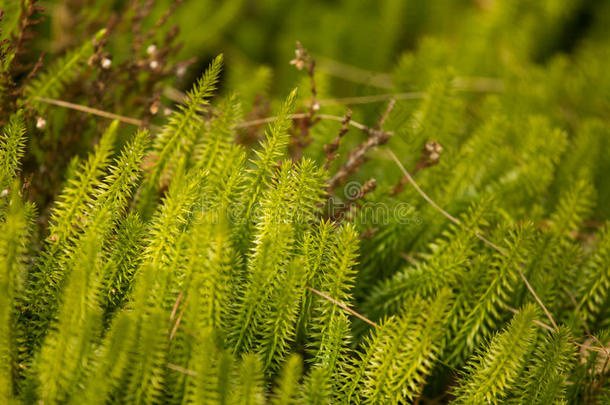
(140,123)
(386,113)
(175,308)
(342,306)
(180,369)
(95,111)
(354,74)
(384,81)
(330,117)
(176,325)
(377,98)
(537,298)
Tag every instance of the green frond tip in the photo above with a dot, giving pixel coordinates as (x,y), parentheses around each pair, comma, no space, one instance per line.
(491,374)
(492,291)
(272,148)
(546,377)
(278,329)
(77,195)
(288,389)
(317,388)
(176,141)
(215,144)
(283,121)
(108,364)
(12,146)
(124,174)
(406,350)
(573,208)
(329,325)
(205,86)
(249,389)
(595,287)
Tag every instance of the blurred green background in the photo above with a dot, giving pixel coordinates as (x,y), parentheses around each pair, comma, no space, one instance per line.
(546,57)
(482,35)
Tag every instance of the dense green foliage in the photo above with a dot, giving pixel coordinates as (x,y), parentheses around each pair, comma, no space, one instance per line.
(246,243)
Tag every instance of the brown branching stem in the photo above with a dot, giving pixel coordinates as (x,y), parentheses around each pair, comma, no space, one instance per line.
(365,189)
(330,149)
(385,114)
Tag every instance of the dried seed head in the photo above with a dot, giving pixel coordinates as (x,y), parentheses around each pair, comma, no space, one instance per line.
(298,63)
(301,57)
(431,153)
(154,65)
(152,49)
(106,62)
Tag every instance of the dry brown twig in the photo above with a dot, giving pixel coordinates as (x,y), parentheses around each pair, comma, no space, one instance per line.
(356,157)
(385,114)
(352,201)
(95,111)
(430,156)
(301,140)
(330,149)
